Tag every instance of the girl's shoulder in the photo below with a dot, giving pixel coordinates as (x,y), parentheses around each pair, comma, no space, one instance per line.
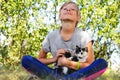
(53,33)
(81,31)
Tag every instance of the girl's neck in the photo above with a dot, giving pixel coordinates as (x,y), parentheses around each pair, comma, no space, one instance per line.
(68,27)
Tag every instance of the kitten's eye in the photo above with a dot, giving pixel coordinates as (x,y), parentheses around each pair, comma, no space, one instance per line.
(79,50)
(83,49)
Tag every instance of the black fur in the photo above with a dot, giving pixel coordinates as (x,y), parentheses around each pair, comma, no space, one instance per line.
(76,58)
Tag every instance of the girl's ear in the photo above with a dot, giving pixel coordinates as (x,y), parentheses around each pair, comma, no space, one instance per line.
(78,18)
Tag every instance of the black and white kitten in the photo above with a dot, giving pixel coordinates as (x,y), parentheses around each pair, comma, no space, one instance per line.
(80,55)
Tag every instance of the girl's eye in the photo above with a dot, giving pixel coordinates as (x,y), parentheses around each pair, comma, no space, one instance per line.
(65,9)
(69,9)
(72,9)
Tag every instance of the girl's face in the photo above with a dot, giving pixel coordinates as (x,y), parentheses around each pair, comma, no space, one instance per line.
(69,12)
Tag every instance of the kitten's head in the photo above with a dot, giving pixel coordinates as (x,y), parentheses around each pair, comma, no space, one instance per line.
(67,54)
(81,53)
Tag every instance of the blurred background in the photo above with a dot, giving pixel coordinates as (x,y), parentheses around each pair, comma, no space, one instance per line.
(25,23)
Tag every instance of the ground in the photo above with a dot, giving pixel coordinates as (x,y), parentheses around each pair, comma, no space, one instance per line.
(21,74)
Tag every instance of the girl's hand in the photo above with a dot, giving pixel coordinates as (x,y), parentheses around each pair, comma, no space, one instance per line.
(62,61)
(59,53)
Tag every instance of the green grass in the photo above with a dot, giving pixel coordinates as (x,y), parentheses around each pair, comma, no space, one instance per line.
(109,75)
(20,74)
(13,74)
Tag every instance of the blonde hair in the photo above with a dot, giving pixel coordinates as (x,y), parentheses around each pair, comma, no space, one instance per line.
(71,2)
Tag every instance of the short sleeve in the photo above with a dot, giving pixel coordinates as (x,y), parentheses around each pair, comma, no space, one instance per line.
(86,38)
(46,44)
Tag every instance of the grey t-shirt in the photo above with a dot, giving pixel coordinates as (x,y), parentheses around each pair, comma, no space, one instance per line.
(54,41)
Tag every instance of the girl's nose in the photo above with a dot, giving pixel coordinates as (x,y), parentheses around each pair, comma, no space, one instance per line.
(68,9)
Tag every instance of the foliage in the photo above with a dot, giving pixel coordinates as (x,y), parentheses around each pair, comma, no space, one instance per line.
(25,23)
(23,36)
(103,18)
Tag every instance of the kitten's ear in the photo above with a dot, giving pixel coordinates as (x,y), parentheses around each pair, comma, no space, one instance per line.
(86,49)
(77,46)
